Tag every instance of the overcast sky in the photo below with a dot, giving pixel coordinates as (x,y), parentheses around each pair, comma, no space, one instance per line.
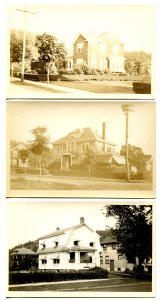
(31,220)
(134,24)
(60,118)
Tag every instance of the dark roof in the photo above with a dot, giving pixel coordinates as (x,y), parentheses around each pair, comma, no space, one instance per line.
(106,236)
(23,251)
(83,134)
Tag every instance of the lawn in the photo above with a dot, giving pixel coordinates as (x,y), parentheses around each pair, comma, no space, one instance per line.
(36,185)
(96,87)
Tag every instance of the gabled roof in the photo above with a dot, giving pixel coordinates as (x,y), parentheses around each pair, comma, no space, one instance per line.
(83,134)
(18,145)
(111,37)
(106,236)
(63,231)
(23,251)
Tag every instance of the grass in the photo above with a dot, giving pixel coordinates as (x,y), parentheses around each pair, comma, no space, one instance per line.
(96,87)
(18,184)
(35,87)
(36,185)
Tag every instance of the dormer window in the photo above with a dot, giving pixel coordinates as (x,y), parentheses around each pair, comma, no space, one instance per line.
(91,244)
(56,244)
(76,243)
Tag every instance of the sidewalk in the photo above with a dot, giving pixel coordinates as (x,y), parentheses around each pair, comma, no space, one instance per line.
(53,86)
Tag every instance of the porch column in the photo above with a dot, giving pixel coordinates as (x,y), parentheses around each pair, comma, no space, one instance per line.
(77,260)
(61,163)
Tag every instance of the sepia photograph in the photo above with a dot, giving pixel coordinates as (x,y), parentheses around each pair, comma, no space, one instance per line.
(82,50)
(74,149)
(82,248)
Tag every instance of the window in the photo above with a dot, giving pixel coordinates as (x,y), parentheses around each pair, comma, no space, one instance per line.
(76,243)
(107,259)
(104,246)
(80,47)
(85,146)
(43,246)
(44,261)
(103,48)
(115,49)
(101,259)
(120,257)
(80,61)
(91,244)
(56,260)
(56,244)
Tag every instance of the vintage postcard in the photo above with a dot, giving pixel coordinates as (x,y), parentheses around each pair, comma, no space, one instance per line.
(81,50)
(90,249)
(81,149)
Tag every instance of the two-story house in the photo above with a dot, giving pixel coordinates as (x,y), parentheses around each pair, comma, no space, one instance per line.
(103,52)
(75,248)
(15,159)
(71,149)
(23,259)
(111,257)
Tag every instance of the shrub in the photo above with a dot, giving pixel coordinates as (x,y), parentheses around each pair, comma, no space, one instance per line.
(49,276)
(142,87)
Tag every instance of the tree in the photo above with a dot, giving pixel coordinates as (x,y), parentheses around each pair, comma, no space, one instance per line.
(137,63)
(23,155)
(136,156)
(133,230)
(16,45)
(89,159)
(39,144)
(49,50)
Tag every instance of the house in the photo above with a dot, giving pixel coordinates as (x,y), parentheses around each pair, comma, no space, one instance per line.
(111,257)
(23,259)
(103,52)
(75,248)
(15,159)
(21,157)
(77,145)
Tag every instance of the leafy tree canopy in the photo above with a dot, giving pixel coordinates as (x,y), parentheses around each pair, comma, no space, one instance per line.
(40,142)
(135,155)
(48,48)
(133,229)
(16,45)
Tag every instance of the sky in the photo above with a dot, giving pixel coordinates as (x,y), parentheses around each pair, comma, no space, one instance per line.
(31,220)
(134,24)
(60,118)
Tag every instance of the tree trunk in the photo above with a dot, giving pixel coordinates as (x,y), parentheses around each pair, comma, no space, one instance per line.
(89,170)
(40,168)
(48,74)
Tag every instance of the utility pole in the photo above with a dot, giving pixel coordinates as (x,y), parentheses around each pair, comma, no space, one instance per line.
(25,11)
(126,109)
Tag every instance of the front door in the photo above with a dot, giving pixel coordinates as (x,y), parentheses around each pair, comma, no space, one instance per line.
(111,265)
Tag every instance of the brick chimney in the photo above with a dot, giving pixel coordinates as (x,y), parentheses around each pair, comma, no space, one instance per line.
(81,220)
(104,135)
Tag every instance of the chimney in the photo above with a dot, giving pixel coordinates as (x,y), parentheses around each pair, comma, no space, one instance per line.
(81,220)
(104,135)
(57,228)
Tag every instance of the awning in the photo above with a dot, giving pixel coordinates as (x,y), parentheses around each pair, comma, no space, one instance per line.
(56,256)
(43,257)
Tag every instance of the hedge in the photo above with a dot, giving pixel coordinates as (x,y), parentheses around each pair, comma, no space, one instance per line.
(142,87)
(96,174)
(49,276)
(98,77)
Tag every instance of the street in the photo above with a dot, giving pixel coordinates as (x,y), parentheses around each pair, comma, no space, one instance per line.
(79,183)
(116,284)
